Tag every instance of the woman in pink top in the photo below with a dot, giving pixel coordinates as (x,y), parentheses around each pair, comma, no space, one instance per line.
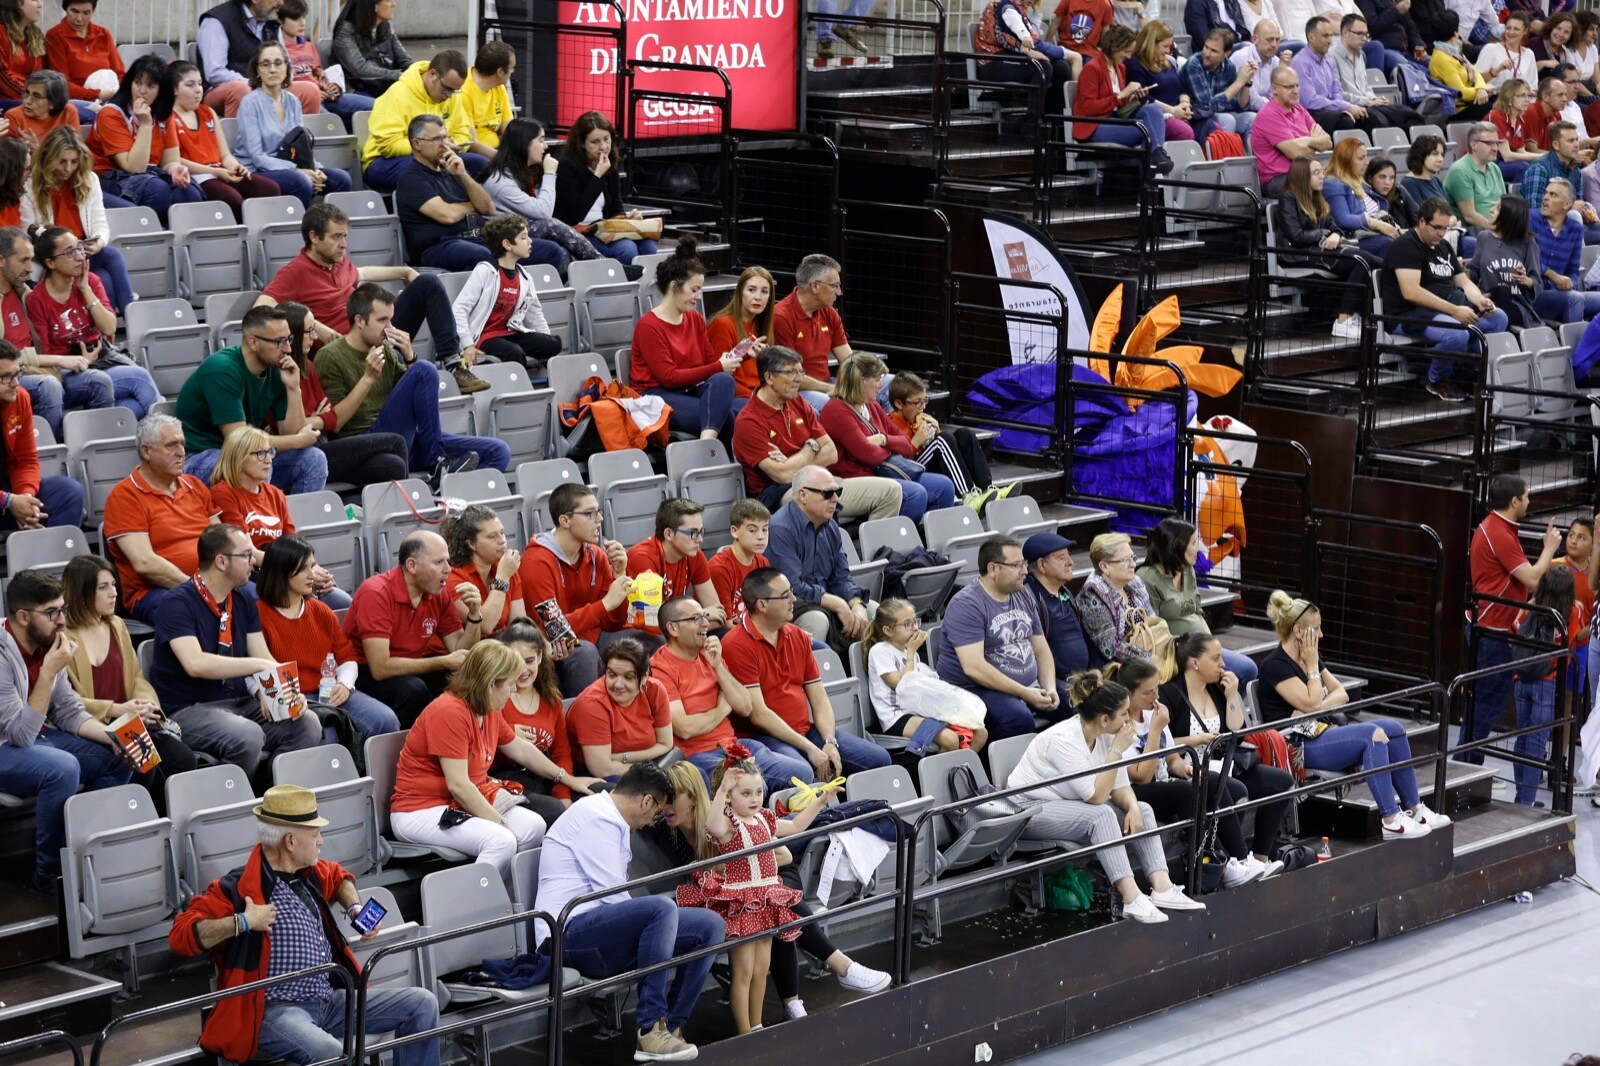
(672,358)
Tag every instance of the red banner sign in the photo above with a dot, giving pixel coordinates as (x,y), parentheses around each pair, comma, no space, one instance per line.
(751,41)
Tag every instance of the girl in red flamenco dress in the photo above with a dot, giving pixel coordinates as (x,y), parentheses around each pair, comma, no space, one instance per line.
(746,892)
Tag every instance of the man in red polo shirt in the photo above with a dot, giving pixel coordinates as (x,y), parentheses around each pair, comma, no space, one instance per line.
(777,435)
(806,321)
(1500,568)
(789,708)
(154,518)
(396,615)
(322,277)
(674,553)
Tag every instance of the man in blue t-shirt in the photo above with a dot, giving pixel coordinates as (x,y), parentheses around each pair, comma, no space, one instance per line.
(1049,559)
(208,641)
(442,209)
(992,643)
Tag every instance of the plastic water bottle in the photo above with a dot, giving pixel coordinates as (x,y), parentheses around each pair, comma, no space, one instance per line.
(325,688)
(1324,852)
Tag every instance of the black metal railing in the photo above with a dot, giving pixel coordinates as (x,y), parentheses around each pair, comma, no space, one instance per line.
(565,66)
(1302,364)
(996,155)
(42,1041)
(678,149)
(1204,246)
(896,266)
(786,203)
(1405,429)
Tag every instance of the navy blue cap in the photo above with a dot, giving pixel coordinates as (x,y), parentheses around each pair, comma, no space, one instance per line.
(1041,544)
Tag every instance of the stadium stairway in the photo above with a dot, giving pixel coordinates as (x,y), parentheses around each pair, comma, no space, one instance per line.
(38,992)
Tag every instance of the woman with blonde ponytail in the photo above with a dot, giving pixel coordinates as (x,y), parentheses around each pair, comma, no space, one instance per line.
(1087,807)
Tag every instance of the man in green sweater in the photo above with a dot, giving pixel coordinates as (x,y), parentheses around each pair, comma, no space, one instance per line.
(403,392)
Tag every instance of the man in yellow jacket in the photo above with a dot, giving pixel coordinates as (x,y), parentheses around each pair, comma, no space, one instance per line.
(484,97)
(430,88)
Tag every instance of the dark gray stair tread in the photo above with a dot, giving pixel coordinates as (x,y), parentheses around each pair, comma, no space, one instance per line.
(1215,597)
(1100,213)
(1209,274)
(1248,640)
(48,986)
(1457,776)
(157,1042)
(1424,409)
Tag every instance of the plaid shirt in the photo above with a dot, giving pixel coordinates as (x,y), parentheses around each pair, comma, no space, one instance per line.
(1561,252)
(1539,173)
(298,943)
(1209,88)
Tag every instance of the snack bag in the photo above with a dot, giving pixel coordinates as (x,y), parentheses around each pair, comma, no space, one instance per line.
(644,602)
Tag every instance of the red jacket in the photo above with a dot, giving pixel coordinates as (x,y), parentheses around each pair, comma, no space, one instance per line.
(1095,95)
(233,1031)
(22,451)
(546,574)
(859,457)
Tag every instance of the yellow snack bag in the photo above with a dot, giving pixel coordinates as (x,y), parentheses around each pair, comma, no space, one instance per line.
(644,602)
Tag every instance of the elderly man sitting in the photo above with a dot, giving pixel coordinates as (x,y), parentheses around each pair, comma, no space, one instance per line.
(280,899)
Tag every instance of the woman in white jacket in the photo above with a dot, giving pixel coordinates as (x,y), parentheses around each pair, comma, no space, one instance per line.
(64,191)
(522,179)
(498,311)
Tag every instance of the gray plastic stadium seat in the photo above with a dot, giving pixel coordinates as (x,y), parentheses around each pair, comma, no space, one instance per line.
(927,587)
(649,295)
(101,450)
(608,303)
(869,716)
(560,306)
(119,879)
(994,838)
(319,519)
(390,511)
(383,756)
(957,532)
(213,824)
(52,453)
(402,969)
(344,798)
(169,340)
(1004,755)
(225,313)
(535,482)
(458,414)
(334,147)
(629,491)
(213,250)
(511,410)
(868,574)
(374,238)
(894,786)
(567,374)
(844,694)
(1017,516)
(49,549)
(489,488)
(274,225)
(147,247)
(699,470)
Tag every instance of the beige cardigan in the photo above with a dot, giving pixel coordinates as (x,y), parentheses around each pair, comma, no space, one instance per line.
(81,673)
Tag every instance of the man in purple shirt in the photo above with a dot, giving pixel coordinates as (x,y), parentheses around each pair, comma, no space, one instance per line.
(1283,132)
(1320,92)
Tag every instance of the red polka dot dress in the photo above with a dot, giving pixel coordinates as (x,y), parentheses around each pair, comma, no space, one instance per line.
(748,893)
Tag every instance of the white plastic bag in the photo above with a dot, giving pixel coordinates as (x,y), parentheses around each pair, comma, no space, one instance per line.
(934,697)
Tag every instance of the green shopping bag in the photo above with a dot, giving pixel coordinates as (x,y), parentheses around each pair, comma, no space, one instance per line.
(1068,889)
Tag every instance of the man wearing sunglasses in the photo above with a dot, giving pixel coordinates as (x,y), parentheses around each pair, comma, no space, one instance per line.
(49,743)
(254,383)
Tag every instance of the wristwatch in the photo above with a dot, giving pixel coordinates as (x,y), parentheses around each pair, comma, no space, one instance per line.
(816,449)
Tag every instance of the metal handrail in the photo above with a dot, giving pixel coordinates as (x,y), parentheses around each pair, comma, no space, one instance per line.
(41,1040)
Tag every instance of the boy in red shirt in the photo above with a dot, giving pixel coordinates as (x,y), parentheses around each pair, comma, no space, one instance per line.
(729,567)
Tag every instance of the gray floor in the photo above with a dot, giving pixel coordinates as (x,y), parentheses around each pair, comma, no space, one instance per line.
(1513,984)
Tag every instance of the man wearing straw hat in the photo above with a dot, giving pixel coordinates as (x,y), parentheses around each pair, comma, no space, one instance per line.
(272,917)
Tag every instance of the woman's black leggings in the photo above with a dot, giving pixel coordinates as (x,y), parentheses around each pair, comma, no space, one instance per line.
(786,953)
(1173,801)
(532,350)
(367,458)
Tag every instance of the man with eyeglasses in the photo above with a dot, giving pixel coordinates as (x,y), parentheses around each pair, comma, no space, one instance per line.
(1283,132)
(1350,59)
(255,383)
(1565,160)
(208,642)
(706,699)
(49,744)
(1473,182)
(28,499)
(674,553)
(806,543)
(807,322)
(429,87)
(993,644)
(576,584)
(229,35)
(789,708)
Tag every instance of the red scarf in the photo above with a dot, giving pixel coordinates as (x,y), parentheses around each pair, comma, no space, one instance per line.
(225,625)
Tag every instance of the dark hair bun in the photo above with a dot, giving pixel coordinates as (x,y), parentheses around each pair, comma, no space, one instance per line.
(688,247)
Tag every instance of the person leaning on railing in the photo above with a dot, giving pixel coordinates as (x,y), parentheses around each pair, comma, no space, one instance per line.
(1104,90)
(1294,682)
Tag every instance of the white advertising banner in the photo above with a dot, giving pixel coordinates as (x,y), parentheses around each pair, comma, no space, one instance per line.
(1021,253)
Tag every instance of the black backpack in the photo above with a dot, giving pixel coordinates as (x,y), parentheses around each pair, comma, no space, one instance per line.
(902,563)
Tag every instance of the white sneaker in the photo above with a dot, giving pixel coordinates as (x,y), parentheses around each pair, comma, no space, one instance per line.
(795,1008)
(859,978)
(1349,329)
(1239,872)
(1268,869)
(1173,899)
(1594,801)
(1404,828)
(1432,819)
(1142,910)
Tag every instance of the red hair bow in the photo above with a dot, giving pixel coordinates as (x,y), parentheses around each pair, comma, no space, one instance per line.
(734,753)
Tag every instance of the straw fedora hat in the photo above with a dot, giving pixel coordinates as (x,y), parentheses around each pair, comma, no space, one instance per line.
(291,805)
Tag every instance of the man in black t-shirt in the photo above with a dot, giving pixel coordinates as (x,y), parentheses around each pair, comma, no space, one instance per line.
(442,209)
(1425,282)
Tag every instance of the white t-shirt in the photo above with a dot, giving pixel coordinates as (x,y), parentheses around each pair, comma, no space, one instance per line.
(1527,67)
(1062,749)
(885,658)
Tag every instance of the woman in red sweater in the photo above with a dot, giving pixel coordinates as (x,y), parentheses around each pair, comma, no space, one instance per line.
(84,51)
(535,711)
(748,314)
(1104,89)
(21,47)
(673,360)
(870,445)
(300,629)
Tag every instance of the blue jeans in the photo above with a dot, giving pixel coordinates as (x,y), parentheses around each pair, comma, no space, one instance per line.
(1536,705)
(1512,170)
(1233,122)
(623,249)
(293,183)
(856,8)
(312,1031)
(856,754)
(412,411)
(1450,336)
(1243,667)
(370,716)
(346,105)
(464,253)
(1575,305)
(1490,694)
(1008,715)
(112,270)
(134,389)
(928,493)
(383,174)
(53,396)
(1155,121)
(617,937)
(151,188)
(775,769)
(62,501)
(51,769)
(708,405)
(295,471)
(1343,746)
